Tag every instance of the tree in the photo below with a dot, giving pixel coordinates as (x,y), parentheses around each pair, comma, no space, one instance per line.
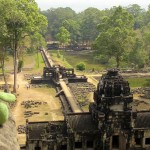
(115,35)
(3,58)
(146,17)
(90,18)
(63,36)
(74,29)
(137,55)
(22,19)
(4,37)
(37,41)
(137,13)
(56,17)
(146,40)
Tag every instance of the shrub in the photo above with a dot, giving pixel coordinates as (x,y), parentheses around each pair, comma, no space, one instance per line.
(7,97)
(4,113)
(102,59)
(80,66)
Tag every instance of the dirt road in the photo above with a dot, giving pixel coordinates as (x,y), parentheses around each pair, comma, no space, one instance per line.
(34,104)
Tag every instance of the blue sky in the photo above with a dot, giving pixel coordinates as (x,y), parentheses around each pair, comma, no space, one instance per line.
(80,5)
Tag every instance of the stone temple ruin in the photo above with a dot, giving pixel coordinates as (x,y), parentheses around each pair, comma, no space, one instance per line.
(110,124)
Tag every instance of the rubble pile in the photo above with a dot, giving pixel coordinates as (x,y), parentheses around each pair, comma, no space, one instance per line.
(81,90)
(41,85)
(31,104)
(30,76)
(144,92)
(21,129)
(30,113)
(134,71)
(138,91)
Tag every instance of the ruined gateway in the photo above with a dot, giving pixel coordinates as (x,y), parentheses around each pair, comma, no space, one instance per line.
(110,124)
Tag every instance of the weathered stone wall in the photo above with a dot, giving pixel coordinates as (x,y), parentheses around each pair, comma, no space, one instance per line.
(8,135)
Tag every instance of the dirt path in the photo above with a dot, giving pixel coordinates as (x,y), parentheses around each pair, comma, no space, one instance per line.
(43,105)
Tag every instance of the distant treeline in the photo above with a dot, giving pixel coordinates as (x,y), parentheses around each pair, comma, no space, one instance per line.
(105,30)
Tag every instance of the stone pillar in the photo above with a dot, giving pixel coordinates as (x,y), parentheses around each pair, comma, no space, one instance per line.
(143,142)
(55,146)
(68,144)
(31,146)
(84,143)
(44,146)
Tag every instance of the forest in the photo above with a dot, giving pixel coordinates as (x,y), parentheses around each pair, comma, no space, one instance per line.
(119,33)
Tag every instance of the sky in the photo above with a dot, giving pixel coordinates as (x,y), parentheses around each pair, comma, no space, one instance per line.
(81,5)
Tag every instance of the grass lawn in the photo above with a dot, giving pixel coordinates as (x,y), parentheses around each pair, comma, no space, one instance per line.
(33,61)
(72,58)
(61,59)
(39,62)
(139,82)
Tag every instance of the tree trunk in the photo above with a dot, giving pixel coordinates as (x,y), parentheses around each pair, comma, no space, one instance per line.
(15,62)
(3,71)
(38,58)
(117,61)
(15,71)
(5,80)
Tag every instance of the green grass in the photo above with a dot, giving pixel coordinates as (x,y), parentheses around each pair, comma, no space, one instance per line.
(73,58)
(39,63)
(30,61)
(87,58)
(139,82)
(62,60)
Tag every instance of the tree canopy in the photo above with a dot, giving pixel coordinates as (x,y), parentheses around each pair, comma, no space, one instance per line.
(63,36)
(115,31)
(115,34)
(19,19)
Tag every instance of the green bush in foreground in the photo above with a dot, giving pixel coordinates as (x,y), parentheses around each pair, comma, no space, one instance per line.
(4,113)
(80,66)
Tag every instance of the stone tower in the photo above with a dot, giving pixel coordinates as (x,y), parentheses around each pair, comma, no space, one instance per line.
(112,112)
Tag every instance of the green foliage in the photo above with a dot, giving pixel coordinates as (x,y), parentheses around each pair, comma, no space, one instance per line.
(7,97)
(146,39)
(20,65)
(138,14)
(80,66)
(103,59)
(19,19)
(4,113)
(74,58)
(115,35)
(63,36)
(37,41)
(90,18)
(137,57)
(73,27)
(56,17)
